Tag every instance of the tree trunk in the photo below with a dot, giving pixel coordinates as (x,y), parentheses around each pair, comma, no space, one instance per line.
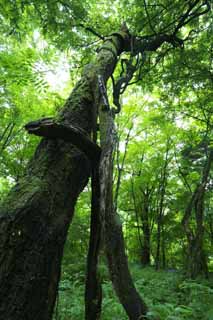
(197,263)
(145,255)
(114,241)
(163,247)
(35,217)
(162,193)
(93,289)
(34,221)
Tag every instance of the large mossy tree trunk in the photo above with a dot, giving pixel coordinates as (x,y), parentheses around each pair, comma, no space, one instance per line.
(36,215)
(35,218)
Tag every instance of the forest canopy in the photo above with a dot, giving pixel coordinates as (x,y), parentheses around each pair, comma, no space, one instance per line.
(106,152)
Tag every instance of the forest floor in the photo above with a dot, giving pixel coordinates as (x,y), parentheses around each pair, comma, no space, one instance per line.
(169,295)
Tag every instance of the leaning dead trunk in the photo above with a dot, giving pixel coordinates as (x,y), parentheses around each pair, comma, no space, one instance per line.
(134,306)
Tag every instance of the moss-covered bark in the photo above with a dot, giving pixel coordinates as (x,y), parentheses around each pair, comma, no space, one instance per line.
(35,217)
(33,225)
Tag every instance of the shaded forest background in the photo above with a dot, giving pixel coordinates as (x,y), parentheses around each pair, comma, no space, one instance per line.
(164,145)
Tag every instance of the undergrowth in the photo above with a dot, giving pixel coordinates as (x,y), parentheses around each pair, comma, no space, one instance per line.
(169,295)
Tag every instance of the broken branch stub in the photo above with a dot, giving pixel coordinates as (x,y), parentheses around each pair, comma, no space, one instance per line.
(49,128)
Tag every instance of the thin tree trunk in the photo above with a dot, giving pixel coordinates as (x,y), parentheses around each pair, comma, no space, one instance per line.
(121,167)
(163,245)
(114,242)
(145,256)
(162,191)
(93,292)
(197,263)
(6,136)
(93,288)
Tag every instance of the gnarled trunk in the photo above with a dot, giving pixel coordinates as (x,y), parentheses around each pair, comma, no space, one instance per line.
(35,217)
